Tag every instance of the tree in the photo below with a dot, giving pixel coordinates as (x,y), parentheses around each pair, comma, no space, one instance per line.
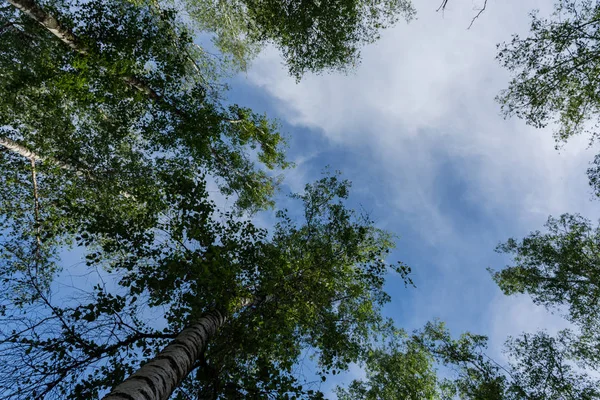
(546,368)
(312,36)
(476,376)
(555,71)
(125,75)
(557,268)
(540,367)
(315,286)
(102,104)
(401,369)
(109,130)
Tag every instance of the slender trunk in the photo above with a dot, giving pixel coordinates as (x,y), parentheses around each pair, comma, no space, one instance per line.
(158,378)
(30,8)
(36,214)
(33,10)
(15,147)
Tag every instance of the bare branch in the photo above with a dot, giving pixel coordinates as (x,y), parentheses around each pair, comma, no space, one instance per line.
(481,10)
(36,213)
(443,6)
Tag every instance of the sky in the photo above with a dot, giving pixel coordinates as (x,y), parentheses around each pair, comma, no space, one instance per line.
(418,132)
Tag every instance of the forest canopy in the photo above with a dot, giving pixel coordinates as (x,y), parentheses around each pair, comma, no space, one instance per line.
(200,274)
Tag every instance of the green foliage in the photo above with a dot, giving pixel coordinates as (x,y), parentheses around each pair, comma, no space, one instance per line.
(477,377)
(556,71)
(105,149)
(21,254)
(113,136)
(557,268)
(229,24)
(317,284)
(313,36)
(546,369)
(541,367)
(84,110)
(400,370)
(593,174)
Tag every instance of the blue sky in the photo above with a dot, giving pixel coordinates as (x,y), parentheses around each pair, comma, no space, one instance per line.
(417,130)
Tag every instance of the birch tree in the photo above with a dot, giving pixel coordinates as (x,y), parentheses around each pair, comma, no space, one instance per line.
(83,81)
(312,36)
(314,285)
(99,103)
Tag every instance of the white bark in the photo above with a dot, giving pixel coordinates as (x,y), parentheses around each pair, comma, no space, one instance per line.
(15,147)
(11,145)
(158,378)
(30,8)
(67,36)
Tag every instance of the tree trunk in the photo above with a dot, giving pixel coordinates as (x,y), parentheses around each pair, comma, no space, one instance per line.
(30,8)
(15,147)
(67,36)
(158,378)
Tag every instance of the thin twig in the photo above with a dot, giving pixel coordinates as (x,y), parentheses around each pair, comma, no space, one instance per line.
(442,6)
(481,10)
(36,208)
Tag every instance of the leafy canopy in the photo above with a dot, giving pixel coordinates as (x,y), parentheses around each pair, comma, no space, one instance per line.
(556,71)
(313,36)
(137,92)
(540,367)
(401,369)
(557,268)
(108,123)
(319,278)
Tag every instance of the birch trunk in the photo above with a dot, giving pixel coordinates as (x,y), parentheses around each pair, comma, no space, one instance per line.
(67,36)
(15,147)
(30,8)
(157,379)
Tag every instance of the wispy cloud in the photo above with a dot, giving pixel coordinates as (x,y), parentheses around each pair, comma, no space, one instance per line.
(435,159)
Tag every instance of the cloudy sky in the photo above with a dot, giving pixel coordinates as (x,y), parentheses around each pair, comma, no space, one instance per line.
(417,130)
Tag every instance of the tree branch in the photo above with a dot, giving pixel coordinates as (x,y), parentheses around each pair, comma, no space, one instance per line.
(481,10)
(443,6)
(67,36)
(36,213)
(15,147)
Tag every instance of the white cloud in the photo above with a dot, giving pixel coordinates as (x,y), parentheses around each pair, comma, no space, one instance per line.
(425,93)
(421,109)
